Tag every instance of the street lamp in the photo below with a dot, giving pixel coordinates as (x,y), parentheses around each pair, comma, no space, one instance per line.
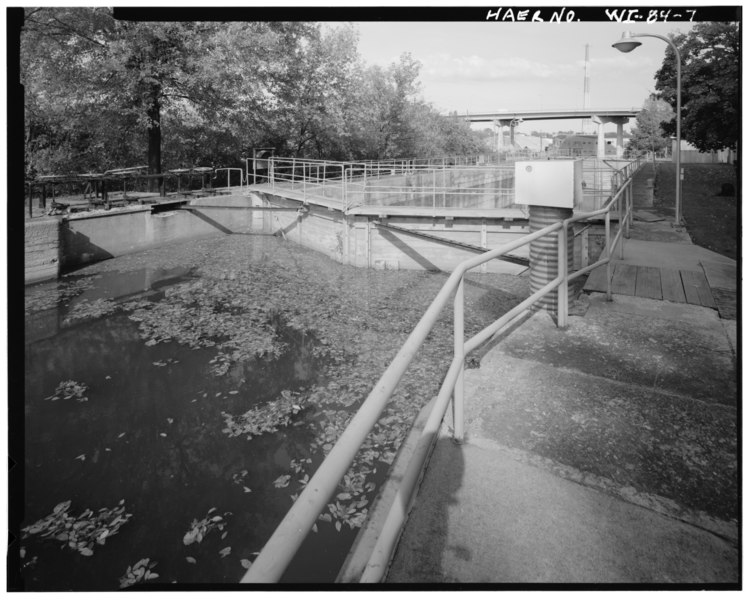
(627,43)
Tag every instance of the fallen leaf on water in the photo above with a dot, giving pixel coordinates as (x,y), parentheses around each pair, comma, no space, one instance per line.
(191,559)
(225,551)
(246,563)
(81,457)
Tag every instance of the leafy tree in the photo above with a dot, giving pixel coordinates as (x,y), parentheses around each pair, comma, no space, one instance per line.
(102,93)
(648,134)
(98,83)
(711,85)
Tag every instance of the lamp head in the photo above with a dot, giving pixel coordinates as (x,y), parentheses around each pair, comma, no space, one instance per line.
(627,43)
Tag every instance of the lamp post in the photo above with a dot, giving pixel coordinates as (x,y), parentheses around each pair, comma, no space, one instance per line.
(627,43)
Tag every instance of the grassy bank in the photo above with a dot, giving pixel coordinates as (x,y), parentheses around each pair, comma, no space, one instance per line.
(712,220)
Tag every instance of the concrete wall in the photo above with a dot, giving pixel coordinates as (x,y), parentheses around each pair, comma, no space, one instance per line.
(89,237)
(356,240)
(42,250)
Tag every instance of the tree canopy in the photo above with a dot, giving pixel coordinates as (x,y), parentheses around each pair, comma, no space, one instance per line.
(102,93)
(648,134)
(711,85)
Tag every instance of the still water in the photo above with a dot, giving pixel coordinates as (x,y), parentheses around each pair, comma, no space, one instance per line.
(177,400)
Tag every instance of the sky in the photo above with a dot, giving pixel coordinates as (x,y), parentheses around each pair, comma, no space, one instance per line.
(489,66)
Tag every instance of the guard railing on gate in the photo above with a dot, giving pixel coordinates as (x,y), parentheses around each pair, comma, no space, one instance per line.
(429,183)
(291,532)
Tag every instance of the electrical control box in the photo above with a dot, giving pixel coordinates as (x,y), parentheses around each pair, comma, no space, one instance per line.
(548,183)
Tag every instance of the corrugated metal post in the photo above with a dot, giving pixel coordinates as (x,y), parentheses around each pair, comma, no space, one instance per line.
(545,254)
(458,398)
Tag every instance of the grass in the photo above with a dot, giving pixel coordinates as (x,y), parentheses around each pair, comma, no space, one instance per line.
(712,220)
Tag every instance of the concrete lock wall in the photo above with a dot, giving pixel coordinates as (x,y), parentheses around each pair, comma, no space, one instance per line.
(353,239)
(91,237)
(358,240)
(42,255)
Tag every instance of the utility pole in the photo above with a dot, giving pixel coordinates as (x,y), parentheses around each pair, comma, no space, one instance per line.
(586,98)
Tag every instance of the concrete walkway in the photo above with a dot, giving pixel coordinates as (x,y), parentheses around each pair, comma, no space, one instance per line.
(605,452)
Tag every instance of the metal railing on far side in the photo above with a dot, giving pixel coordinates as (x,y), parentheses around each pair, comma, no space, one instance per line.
(291,532)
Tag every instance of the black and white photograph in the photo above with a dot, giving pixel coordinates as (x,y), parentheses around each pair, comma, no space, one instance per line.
(416,298)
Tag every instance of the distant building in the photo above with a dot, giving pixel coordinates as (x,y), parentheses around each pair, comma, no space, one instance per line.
(582,145)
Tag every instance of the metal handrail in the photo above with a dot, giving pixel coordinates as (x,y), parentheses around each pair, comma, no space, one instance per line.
(291,532)
(229,169)
(348,185)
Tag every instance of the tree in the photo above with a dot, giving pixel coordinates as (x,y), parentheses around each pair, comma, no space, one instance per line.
(100,92)
(648,134)
(711,85)
(96,82)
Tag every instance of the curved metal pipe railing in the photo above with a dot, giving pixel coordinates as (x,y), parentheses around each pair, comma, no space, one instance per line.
(280,549)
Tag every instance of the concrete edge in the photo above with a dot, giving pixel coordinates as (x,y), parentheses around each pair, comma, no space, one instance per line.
(110,213)
(362,547)
(728,530)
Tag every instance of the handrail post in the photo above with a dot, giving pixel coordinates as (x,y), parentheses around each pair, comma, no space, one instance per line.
(458,398)
(620,232)
(563,286)
(630,223)
(608,252)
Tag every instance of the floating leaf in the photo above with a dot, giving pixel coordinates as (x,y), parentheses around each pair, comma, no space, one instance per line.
(139,572)
(225,551)
(282,481)
(246,563)
(79,533)
(200,528)
(191,559)
(69,389)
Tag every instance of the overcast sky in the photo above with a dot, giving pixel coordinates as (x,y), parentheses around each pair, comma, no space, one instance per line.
(488,66)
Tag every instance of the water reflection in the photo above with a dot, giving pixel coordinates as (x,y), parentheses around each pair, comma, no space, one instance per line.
(151,431)
(151,435)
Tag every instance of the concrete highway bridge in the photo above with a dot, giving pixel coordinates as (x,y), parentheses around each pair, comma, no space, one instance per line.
(510,119)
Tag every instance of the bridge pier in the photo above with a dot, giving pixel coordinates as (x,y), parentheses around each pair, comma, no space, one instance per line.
(500,124)
(619,122)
